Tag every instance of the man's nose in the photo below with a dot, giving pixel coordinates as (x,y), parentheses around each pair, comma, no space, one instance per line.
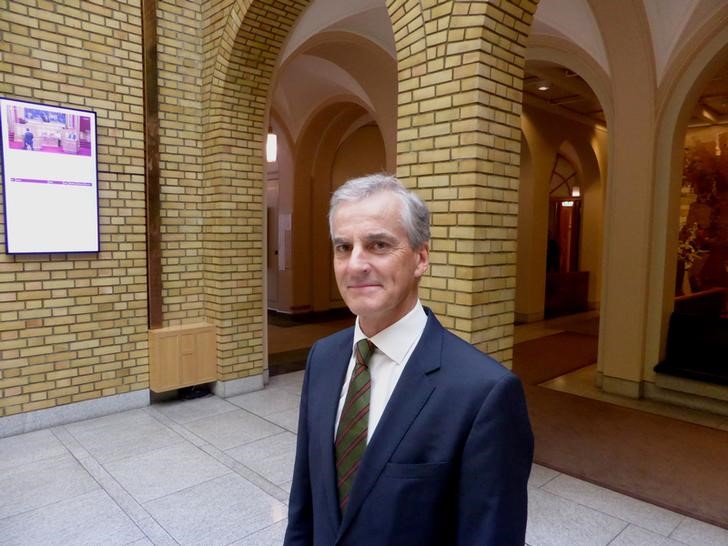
(359,258)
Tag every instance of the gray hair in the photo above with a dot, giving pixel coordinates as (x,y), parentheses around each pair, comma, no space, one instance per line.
(415,215)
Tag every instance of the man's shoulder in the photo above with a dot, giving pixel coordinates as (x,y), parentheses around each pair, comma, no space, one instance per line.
(466,362)
(335,339)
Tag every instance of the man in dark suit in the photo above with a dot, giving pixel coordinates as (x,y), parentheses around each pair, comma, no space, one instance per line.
(408,435)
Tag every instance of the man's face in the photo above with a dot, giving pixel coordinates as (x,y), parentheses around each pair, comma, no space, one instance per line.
(376,268)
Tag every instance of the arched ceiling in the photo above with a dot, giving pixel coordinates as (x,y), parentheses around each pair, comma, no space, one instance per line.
(312,69)
(573,20)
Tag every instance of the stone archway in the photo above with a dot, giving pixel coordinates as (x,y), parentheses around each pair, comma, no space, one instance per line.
(460,69)
(682,84)
(236,79)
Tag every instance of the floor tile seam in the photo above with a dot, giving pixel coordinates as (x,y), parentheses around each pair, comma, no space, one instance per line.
(648,530)
(149,409)
(156,522)
(215,452)
(609,491)
(267,413)
(252,470)
(235,463)
(624,530)
(113,496)
(258,531)
(247,444)
(684,520)
(204,443)
(45,506)
(237,408)
(73,449)
(143,453)
(44,459)
(186,488)
(76,424)
(144,410)
(178,428)
(234,467)
(552,478)
(613,516)
(273,423)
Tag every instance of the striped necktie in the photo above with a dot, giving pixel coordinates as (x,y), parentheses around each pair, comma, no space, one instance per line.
(351,436)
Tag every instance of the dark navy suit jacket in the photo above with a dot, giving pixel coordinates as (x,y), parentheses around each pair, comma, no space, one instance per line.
(447,465)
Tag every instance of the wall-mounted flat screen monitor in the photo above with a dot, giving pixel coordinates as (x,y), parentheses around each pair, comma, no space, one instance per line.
(50,188)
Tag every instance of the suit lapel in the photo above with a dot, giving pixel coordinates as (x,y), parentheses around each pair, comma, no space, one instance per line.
(331,375)
(413,389)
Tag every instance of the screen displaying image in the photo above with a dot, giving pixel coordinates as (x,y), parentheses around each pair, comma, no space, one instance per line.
(49,178)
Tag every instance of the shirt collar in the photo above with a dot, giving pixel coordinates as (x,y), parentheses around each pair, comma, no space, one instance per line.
(396,340)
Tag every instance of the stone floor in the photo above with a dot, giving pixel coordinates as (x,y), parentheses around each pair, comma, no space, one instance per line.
(212,471)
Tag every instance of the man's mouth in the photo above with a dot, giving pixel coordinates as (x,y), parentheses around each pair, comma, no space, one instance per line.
(360,285)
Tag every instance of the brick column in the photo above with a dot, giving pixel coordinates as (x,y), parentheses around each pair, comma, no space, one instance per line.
(460,76)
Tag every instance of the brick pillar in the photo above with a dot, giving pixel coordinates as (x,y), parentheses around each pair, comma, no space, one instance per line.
(236,81)
(460,70)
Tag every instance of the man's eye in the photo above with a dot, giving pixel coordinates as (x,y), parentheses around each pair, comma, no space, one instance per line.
(380,245)
(342,249)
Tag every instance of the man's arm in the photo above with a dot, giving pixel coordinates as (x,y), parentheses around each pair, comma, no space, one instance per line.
(300,505)
(496,462)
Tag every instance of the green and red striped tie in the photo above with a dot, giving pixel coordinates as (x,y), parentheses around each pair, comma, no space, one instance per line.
(351,436)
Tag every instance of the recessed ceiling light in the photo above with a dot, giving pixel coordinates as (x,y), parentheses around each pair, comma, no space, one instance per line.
(543,85)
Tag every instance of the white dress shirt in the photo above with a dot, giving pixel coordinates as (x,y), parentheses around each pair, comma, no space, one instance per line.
(394,347)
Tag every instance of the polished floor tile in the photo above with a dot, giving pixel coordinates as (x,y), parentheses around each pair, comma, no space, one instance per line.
(219,511)
(147,477)
(124,438)
(636,536)
(232,429)
(266,537)
(271,457)
(184,411)
(27,448)
(268,401)
(287,419)
(620,506)
(91,518)
(291,382)
(41,483)
(555,521)
(697,533)
(541,475)
(206,471)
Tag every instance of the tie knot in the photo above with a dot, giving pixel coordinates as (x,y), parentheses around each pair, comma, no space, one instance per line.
(364,350)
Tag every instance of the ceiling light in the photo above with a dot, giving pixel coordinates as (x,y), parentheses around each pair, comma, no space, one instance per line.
(576,191)
(543,85)
(271,147)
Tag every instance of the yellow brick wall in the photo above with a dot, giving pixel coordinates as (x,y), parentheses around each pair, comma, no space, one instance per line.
(74,326)
(180,61)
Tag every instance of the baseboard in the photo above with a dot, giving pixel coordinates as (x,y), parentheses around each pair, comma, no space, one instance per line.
(525,318)
(622,387)
(688,393)
(21,423)
(226,389)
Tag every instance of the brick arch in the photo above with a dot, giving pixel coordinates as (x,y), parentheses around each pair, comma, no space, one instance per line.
(460,71)
(237,74)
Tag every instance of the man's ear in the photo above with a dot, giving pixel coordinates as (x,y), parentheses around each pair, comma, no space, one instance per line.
(423,260)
